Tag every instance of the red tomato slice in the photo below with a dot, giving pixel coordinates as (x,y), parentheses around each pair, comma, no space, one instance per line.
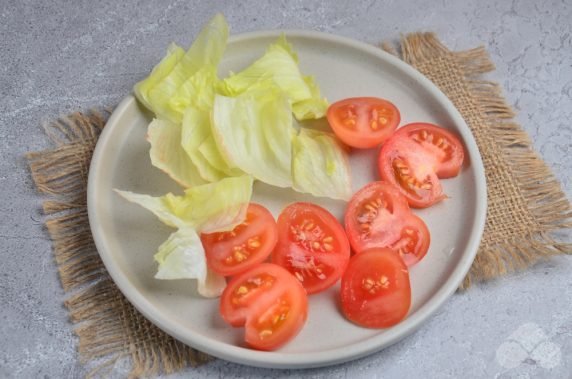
(363,122)
(250,243)
(415,157)
(378,216)
(312,245)
(375,289)
(269,302)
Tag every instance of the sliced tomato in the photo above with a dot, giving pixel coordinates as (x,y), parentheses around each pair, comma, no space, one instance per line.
(250,243)
(378,216)
(414,159)
(375,289)
(312,245)
(269,302)
(363,122)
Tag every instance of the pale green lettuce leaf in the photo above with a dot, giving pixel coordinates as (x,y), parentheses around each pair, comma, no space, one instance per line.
(195,100)
(320,165)
(253,131)
(157,90)
(161,70)
(168,155)
(280,65)
(313,108)
(196,134)
(197,91)
(211,153)
(182,256)
(195,130)
(208,208)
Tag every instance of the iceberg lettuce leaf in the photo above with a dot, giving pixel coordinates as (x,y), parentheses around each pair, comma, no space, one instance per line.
(197,140)
(320,165)
(253,132)
(160,71)
(209,150)
(157,91)
(195,130)
(313,108)
(182,256)
(280,65)
(197,91)
(208,208)
(168,155)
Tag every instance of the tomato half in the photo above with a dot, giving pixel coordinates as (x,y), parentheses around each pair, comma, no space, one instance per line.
(378,216)
(414,159)
(250,243)
(312,245)
(376,292)
(269,302)
(363,122)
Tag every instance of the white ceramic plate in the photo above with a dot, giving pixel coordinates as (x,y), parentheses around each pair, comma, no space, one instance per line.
(127,236)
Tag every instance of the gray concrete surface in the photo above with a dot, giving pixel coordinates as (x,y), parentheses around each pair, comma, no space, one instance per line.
(60,56)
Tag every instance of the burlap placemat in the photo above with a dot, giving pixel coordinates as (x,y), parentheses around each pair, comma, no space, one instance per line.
(526,205)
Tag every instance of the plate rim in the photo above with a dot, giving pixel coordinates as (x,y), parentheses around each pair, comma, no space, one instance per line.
(326,357)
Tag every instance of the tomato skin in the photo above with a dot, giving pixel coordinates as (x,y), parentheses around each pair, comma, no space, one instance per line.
(375,291)
(363,122)
(414,159)
(312,245)
(421,245)
(269,302)
(378,216)
(248,244)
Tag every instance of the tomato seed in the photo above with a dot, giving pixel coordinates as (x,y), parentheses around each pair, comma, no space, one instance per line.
(242,290)
(253,243)
(370,208)
(239,256)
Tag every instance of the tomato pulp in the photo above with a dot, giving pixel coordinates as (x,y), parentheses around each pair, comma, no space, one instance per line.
(250,243)
(269,302)
(414,159)
(312,245)
(378,216)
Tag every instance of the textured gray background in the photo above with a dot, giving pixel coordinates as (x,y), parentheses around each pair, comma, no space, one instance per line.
(60,56)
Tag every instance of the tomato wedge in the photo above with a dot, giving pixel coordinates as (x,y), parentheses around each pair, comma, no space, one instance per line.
(375,289)
(363,122)
(250,243)
(414,159)
(269,302)
(378,216)
(312,245)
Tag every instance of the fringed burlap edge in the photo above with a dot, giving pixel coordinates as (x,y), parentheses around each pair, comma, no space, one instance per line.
(526,202)
(108,326)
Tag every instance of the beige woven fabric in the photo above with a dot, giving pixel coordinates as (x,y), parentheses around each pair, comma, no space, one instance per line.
(526,205)
(525,201)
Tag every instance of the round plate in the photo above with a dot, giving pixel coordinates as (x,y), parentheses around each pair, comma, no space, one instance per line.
(127,236)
